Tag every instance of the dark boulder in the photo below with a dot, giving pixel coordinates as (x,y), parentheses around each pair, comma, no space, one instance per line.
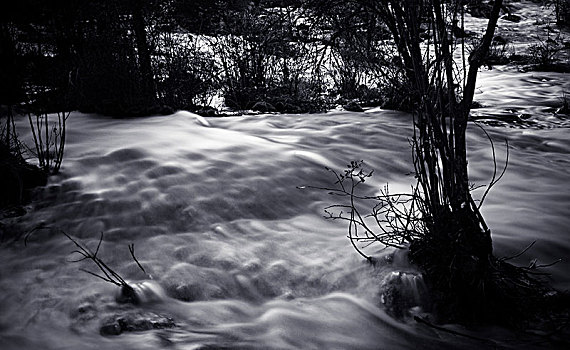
(264,107)
(207,111)
(511,18)
(353,107)
(287,107)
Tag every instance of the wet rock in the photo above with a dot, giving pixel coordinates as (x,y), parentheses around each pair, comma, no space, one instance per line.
(207,111)
(136,321)
(511,18)
(520,59)
(476,104)
(187,292)
(286,107)
(525,116)
(264,107)
(127,295)
(499,40)
(400,292)
(353,107)
(188,282)
(84,312)
(140,293)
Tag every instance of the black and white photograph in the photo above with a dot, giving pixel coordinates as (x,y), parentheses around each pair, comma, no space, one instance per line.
(284,174)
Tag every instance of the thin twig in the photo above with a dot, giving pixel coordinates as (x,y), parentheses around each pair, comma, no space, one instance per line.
(108,273)
(518,254)
(132,251)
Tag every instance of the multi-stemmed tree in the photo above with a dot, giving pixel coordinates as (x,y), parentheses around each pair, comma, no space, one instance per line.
(456,250)
(440,222)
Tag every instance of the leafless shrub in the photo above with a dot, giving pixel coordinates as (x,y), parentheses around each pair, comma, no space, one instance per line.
(186,72)
(275,56)
(565,104)
(8,135)
(106,273)
(395,220)
(546,50)
(49,139)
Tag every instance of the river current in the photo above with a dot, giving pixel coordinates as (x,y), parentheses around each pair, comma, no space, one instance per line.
(236,254)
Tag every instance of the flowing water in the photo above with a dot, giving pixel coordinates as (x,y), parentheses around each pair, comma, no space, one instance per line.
(237,255)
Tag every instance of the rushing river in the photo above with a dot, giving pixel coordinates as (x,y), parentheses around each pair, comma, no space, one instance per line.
(238,256)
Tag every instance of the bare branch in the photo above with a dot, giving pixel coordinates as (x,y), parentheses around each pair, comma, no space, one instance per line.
(132,251)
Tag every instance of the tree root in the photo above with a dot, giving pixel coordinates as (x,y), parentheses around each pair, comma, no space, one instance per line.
(471,286)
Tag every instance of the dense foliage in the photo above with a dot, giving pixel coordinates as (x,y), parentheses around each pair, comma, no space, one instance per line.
(142,57)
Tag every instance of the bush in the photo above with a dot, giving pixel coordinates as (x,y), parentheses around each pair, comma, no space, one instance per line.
(186,72)
(49,139)
(17,177)
(500,52)
(545,52)
(271,57)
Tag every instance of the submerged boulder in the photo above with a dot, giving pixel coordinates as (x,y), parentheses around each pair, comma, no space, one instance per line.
(135,321)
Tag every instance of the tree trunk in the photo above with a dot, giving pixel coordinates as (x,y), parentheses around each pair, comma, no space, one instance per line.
(148,89)
(457,249)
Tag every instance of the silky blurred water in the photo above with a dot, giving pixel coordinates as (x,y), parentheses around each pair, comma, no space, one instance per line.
(243,257)
(238,256)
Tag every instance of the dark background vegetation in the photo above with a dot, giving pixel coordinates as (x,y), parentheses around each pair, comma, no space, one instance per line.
(132,58)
